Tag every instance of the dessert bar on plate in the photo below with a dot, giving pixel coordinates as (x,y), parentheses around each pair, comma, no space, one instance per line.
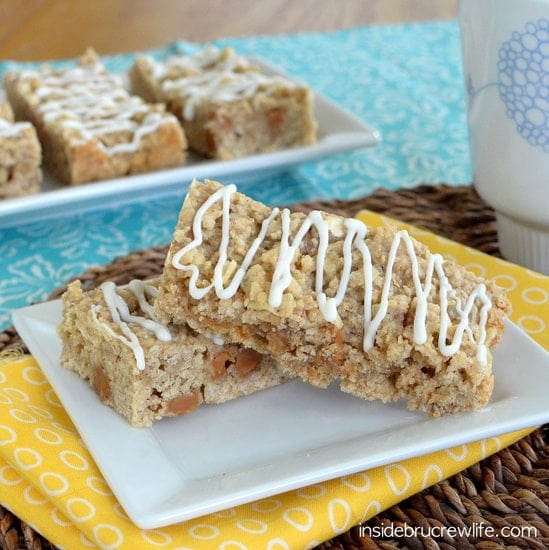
(89,126)
(332,300)
(145,370)
(227,106)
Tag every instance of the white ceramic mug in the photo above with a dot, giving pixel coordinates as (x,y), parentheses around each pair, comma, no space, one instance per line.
(506,65)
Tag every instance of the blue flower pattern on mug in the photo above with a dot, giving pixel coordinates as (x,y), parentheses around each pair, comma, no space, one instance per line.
(523,81)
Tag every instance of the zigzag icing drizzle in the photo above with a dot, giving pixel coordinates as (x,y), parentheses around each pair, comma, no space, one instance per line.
(95,104)
(212,74)
(11,129)
(354,239)
(121,316)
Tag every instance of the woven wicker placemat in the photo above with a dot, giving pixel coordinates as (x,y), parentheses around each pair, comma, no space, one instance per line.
(507,490)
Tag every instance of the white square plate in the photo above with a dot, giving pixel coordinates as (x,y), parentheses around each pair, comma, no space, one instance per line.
(338,131)
(279,439)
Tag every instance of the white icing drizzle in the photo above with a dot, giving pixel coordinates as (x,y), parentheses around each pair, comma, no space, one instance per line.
(121,316)
(216,339)
(11,129)
(211,75)
(355,235)
(94,104)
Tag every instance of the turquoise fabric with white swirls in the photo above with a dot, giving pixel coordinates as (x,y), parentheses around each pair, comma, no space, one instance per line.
(404,80)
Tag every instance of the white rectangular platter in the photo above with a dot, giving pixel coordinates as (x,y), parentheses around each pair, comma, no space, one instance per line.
(338,131)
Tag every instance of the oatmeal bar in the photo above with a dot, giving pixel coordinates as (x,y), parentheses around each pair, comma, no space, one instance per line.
(332,300)
(227,107)
(20,156)
(90,127)
(144,370)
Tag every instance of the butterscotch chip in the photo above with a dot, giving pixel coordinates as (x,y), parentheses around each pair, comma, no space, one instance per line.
(101,384)
(246,361)
(220,363)
(184,404)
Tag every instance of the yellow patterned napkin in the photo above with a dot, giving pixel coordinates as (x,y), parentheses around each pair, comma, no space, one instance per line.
(48,478)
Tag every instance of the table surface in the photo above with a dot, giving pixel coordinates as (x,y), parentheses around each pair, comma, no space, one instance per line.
(35,29)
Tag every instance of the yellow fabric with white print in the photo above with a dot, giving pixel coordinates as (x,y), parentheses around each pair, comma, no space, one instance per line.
(49,479)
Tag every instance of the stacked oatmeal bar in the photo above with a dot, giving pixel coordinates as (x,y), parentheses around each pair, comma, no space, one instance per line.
(332,300)
(146,370)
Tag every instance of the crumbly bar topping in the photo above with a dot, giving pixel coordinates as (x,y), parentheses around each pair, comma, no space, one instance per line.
(456,313)
(214,75)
